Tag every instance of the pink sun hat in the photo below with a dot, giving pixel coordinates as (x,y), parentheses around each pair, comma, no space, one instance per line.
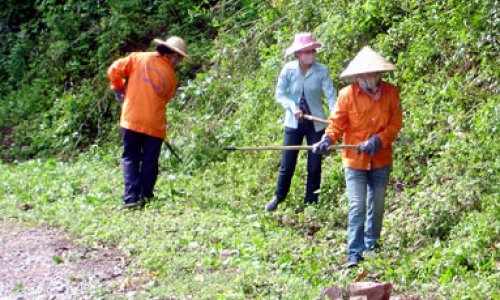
(302,41)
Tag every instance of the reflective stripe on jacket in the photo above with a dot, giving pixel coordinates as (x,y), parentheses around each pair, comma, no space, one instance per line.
(357,117)
(151,83)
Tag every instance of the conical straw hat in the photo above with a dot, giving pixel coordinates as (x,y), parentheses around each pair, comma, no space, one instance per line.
(367,61)
(176,44)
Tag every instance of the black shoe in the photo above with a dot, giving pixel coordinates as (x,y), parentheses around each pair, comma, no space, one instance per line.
(146,200)
(131,204)
(369,253)
(353,261)
(272,205)
(372,251)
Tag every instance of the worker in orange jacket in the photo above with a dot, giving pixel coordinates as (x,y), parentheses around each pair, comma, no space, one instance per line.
(150,84)
(368,114)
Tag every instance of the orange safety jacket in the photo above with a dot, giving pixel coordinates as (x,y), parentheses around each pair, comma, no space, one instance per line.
(359,117)
(151,83)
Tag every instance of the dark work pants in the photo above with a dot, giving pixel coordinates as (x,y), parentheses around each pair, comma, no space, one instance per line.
(295,137)
(140,164)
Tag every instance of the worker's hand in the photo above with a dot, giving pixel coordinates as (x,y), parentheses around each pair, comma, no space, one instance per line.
(119,95)
(371,146)
(322,146)
(299,114)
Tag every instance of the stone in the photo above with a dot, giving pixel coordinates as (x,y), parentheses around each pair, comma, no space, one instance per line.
(228,252)
(404,297)
(332,293)
(372,290)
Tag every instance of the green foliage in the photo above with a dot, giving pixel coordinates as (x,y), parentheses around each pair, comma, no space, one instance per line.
(441,231)
(17,287)
(55,62)
(57,259)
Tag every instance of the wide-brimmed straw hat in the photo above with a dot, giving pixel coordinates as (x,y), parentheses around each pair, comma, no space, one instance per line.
(177,44)
(367,61)
(302,41)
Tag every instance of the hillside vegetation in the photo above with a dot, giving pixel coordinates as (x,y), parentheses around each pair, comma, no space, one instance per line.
(60,142)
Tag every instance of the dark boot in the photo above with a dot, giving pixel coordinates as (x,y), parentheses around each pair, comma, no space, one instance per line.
(131,204)
(353,261)
(273,204)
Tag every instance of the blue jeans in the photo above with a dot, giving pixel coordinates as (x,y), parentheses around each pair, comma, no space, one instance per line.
(140,164)
(294,137)
(366,191)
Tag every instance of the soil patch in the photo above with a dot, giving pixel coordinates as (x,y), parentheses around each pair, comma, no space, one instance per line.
(43,263)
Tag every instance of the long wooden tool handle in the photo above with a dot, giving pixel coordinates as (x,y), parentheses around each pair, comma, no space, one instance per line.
(172,150)
(313,118)
(263,148)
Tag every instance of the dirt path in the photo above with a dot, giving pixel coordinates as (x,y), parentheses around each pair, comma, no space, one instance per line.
(40,263)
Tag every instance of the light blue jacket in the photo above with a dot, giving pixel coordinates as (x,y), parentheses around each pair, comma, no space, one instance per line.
(292,82)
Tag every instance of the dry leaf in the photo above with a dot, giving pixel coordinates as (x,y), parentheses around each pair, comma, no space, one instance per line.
(128,282)
(362,275)
(228,252)
(24,207)
(155,274)
(214,240)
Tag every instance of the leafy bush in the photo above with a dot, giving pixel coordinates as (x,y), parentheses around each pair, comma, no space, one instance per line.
(56,57)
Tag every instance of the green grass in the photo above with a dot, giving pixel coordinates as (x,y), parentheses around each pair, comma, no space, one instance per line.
(284,255)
